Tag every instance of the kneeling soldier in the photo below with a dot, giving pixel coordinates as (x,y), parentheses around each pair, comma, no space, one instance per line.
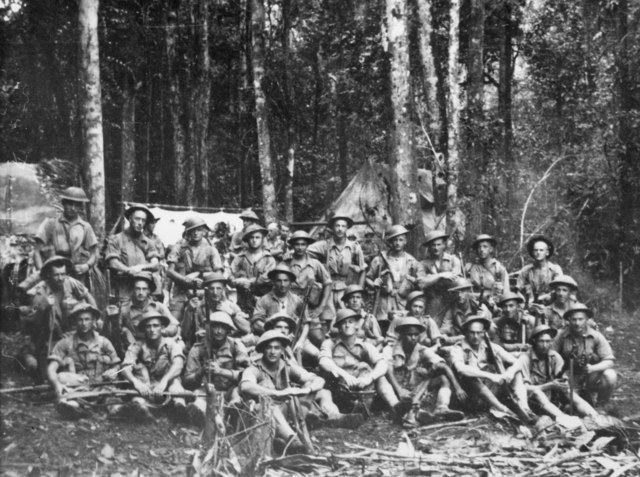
(157,364)
(219,360)
(415,370)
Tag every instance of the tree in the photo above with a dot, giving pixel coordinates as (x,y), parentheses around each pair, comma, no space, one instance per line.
(430,81)
(91,106)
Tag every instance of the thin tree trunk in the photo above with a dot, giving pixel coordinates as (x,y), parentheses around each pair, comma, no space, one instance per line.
(128,141)
(261,111)
(92,113)
(430,83)
(288,199)
(506,75)
(290,111)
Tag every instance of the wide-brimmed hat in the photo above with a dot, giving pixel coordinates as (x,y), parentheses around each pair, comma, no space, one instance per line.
(576,307)
(343,314)
(194,222)
(540,238)
(350,290)
(147,277)
(81,308)
(153,312)
(395,231)
(473,318)
(409,321)
(74,194)
(252,229)
(55,261)
(564,280)
(540,330)
(133,207)
(280,316)
(413,296)
(269,336)
(508,296)
(222,318)
(346,218)
(461,284)
(281,268)
(435,235)
(484,238)
(249,214)
(210,277)
(300,235)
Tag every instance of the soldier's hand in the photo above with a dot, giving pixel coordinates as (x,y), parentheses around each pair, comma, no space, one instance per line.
(497,378)
(215,367)
(59,388)
(536,308)
(298,391)
(377,282)
(201,334)
(158,389)
(350,381)
(448,276)
(404,394)
(365,381)
(196,282)
(81,268)
(243,282)
(559,385)
(194,303)
(109,374)
(135,269)
(461,395)
(142,388)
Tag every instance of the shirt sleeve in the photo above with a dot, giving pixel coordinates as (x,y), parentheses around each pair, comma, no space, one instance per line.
(456,357)
(42,233)
(250,375)
(323,275)
(113,248)
(318,250)
(132,353)
(193,367)
(326,349)
(602,349)
(372,355)
(110,351)
(60,351)
(152,251)
(214,259)
(260,310)
(90,239)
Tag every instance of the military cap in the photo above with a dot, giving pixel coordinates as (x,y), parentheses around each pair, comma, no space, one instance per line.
(484,238)
(564,280)
(333,218)
(540,330)
(576,307)
(74,194)
(147,277)
(413,296)
(249,214)
(300,235)
(280,316)
(395,231)
(461,284)
(194,222)
(84,307)
(473,318)
(409,321)
(343,314)
(435,235)
(540,238)
(210,277)
(153,312)
(281,268)
(326,315)
(252,229)
(222,318)
(350,290)
(508,296)
(269,336)
(55,261)
(133,207)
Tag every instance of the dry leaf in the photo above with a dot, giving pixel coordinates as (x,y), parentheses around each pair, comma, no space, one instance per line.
(107,452)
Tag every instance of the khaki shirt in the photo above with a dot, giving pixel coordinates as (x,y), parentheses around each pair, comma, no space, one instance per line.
(282,378)
(131,314)
(129,250)
(538,371)
(60,301)
(489,281)
(404,367)
(267,305)
(462,353)
(337,259)
(75,240)
(307,271)
(593,344)
(91,358)
(231,355)
(537,279)
(157,361)
(188,258)
(243,267)
(351,359)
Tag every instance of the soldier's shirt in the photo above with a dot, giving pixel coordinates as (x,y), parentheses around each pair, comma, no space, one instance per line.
(488,280)
(75,240)
(64,300)
(131,314)
(509,330)
(337,258)
(246,266)
(91,357)
(463,354)
(538,370)
(194,320)
(428,338)
(538,278)
(368,326)
(157,361)
(405,367)
(267,305)
(592,343)
(231,355)
(307,271)
(284,376)
(157,241)
(351,358)
(189,258)
(448,263)
(131,250)
(554,317)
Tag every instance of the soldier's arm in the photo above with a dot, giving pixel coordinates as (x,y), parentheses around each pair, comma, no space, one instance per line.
(249,385)
(194,371)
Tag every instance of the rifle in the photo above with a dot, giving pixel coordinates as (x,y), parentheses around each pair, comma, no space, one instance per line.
(571,410)
(129,392)
(300,424)
(47,387)
(301,323)
(208,337)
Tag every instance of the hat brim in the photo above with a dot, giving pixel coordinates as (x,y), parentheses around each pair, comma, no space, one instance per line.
(348,220)
(270,323)
(283,339)
(309,240)
(401,328)
(150,281)
(245,237)
(442,236)
(132,209)
(272,274)
(94,311)
(485,321)
(540,238)
(460,288)
(46,267)
(568,313)
(549,331)
(164,321)
(193,227)
(493,242)
(346,296)
(74,199)
(337,322)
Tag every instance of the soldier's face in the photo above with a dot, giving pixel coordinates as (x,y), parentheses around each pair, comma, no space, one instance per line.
(475,333)
(540,251)
(411,335)
(281,283)
(484,250)
(417,308)
(219,332)
(153,329)
(340,228)
(216,290)
(355,301)
(255,240)
(71,209)
(58,275)
(273,351)
(300,247)
(543,344)
(436,247)
(464,296)
(348,327)
(510,308)
(578,322)
(562,293)
(141,290)
(85,321)
(398,243)
(283,327)
(137,220)
(195,235)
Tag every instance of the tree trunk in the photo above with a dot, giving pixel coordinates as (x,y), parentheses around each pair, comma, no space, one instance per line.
(430,83)
(290,111)
(454,222)
(261,112)
(288,199)
(92,113)
(506,75)
(128,141)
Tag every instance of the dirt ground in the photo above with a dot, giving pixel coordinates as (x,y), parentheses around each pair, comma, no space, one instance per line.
(35,441)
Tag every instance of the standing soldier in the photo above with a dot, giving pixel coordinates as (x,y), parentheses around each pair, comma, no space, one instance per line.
(563,297)
(188,261)
(534,278)
(273,241)
(489,277)
(250,268)
(248,217)
(160,277)
(309,272)
(514,326)
(343,258)
(131,251)
(394,272)
(441,270)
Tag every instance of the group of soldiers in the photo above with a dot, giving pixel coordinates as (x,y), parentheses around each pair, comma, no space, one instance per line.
(316,322)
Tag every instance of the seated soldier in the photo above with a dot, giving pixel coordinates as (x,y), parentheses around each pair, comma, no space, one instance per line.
(157,363)
(80,358)
(489,277)
(534,278)
(588,352)
(415,370)
(513,328)
(354,364)
(475,364)
(563,296)
(215,294)
(288,327)
(542,368)
(143,285)
(319,330)
(217,359)
(459,305)
(431,337)
(274,377)
(368,327)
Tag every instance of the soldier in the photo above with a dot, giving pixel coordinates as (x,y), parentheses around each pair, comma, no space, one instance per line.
(534,278)
(370,247)
(514,326)
(131,251)
(215,294)
(543,376)
(309,272)
(587,355)
(354,364)
(460,304)
(248,217)
(431,337)
(140,304)
(80,358)
(250,268)
(368,327)
(343,258)
(395,272)
(415,370)
(472,360)
(153,365)
(160,277)
(441,269)
(563,296)
(489,277)
(273,241)
(188,260)
(219,359)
